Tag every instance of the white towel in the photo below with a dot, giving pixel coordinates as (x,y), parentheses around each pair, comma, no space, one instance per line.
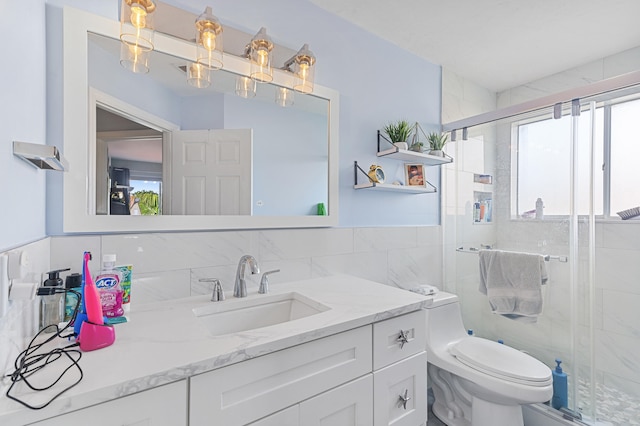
(513,283)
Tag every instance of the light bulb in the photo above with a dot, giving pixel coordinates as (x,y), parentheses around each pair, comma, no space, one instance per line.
(138,16)
(263,57)
(304,70)
(209,40)
(135,51)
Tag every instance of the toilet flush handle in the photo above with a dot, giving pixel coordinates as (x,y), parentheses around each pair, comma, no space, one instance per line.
(403,338)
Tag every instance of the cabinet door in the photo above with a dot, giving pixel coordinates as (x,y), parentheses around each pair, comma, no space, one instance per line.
(287,417)
(250,390)
(346,405)
(161,406)
(400,393)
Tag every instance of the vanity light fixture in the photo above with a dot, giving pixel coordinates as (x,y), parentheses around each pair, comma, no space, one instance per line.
(198,75)
(302,65)
(245,87)
(209,40)
(136,34)
(260,55)
(284,97)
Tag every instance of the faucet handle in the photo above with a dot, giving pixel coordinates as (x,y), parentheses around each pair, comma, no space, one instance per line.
(264,282)
(218,292)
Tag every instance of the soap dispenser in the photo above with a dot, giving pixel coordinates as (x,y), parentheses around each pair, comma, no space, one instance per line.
(560,396)
(52,302)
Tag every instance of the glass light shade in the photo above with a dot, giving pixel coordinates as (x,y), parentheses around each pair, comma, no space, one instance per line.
(260,55)
(198,75)
(245,87)
(304,70)
(209,40)
(134,58)
(284,97)
(136,23)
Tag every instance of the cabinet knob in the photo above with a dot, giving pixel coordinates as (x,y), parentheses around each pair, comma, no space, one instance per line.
(403,338)
(403,399)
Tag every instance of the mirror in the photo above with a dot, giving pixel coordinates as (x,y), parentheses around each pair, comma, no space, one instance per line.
(145,127)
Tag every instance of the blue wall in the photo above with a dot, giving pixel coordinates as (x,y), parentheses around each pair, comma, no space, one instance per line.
(22,118)
(378,83)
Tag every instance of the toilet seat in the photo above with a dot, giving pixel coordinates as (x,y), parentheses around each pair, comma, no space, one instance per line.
(501,361)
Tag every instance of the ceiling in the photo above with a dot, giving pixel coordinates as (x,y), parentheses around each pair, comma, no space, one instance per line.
(499,44)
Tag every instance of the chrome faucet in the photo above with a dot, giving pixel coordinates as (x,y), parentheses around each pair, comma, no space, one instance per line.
(218,291)
(240,288)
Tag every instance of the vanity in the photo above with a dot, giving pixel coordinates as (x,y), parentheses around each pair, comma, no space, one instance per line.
(347,351)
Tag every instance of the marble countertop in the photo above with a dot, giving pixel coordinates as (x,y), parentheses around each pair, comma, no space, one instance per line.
(165,342)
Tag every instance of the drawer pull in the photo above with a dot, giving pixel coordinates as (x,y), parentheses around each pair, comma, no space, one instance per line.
(403,399)
(403,338)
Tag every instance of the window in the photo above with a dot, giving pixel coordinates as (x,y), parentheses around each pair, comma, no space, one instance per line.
(543,161)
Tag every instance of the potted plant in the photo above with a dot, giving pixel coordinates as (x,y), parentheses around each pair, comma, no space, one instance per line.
(399,132)
(437,141)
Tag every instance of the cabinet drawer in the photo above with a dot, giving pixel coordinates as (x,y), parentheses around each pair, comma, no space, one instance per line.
(400,393)
(397,338)
(247,391)
(161,406)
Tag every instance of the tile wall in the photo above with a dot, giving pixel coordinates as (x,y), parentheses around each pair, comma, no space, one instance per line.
(169,265)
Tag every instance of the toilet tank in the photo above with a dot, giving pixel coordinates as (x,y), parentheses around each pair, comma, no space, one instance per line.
(444,320)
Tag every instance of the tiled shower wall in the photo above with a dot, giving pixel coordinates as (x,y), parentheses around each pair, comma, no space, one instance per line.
(617,250)
(169,265)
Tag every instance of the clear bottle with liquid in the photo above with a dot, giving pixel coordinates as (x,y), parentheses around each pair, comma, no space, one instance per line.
(108,284)
(52,301)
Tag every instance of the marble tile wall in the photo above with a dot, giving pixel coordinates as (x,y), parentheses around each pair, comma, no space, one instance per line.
(617,248)
(20,322)
(169,265)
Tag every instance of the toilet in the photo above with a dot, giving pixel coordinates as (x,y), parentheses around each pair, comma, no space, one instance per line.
(475,381)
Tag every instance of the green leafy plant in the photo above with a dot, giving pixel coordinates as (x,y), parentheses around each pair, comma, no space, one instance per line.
(398,131)
(148,202)
(416,146)
(437,141)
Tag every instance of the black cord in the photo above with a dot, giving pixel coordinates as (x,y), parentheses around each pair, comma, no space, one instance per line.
(28,362)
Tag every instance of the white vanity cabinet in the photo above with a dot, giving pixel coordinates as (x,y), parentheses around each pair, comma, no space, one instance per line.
(245,392)
(346,405)
(372,375)
(400,371)
(162,406)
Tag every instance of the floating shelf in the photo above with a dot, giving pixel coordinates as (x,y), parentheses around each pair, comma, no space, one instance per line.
(420,157)
(395,188)
(407,155)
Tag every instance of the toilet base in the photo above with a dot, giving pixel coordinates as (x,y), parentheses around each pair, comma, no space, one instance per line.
(488,413)
(483,413)
(454,405)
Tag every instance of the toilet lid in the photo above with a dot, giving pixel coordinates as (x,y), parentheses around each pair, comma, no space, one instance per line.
(501,361)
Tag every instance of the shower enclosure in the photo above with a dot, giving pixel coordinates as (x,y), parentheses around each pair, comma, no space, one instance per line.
(550,180)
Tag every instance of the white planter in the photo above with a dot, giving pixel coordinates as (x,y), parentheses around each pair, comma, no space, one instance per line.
(437,152)
(401,145)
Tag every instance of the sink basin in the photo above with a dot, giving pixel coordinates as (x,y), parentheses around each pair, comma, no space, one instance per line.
(234,315)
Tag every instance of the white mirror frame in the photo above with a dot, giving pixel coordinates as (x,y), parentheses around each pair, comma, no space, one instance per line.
(79,180)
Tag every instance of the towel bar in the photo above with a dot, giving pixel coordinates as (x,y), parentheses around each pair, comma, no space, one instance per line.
(547,257)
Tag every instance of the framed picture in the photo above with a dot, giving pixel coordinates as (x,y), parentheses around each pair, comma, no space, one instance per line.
(414,175)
